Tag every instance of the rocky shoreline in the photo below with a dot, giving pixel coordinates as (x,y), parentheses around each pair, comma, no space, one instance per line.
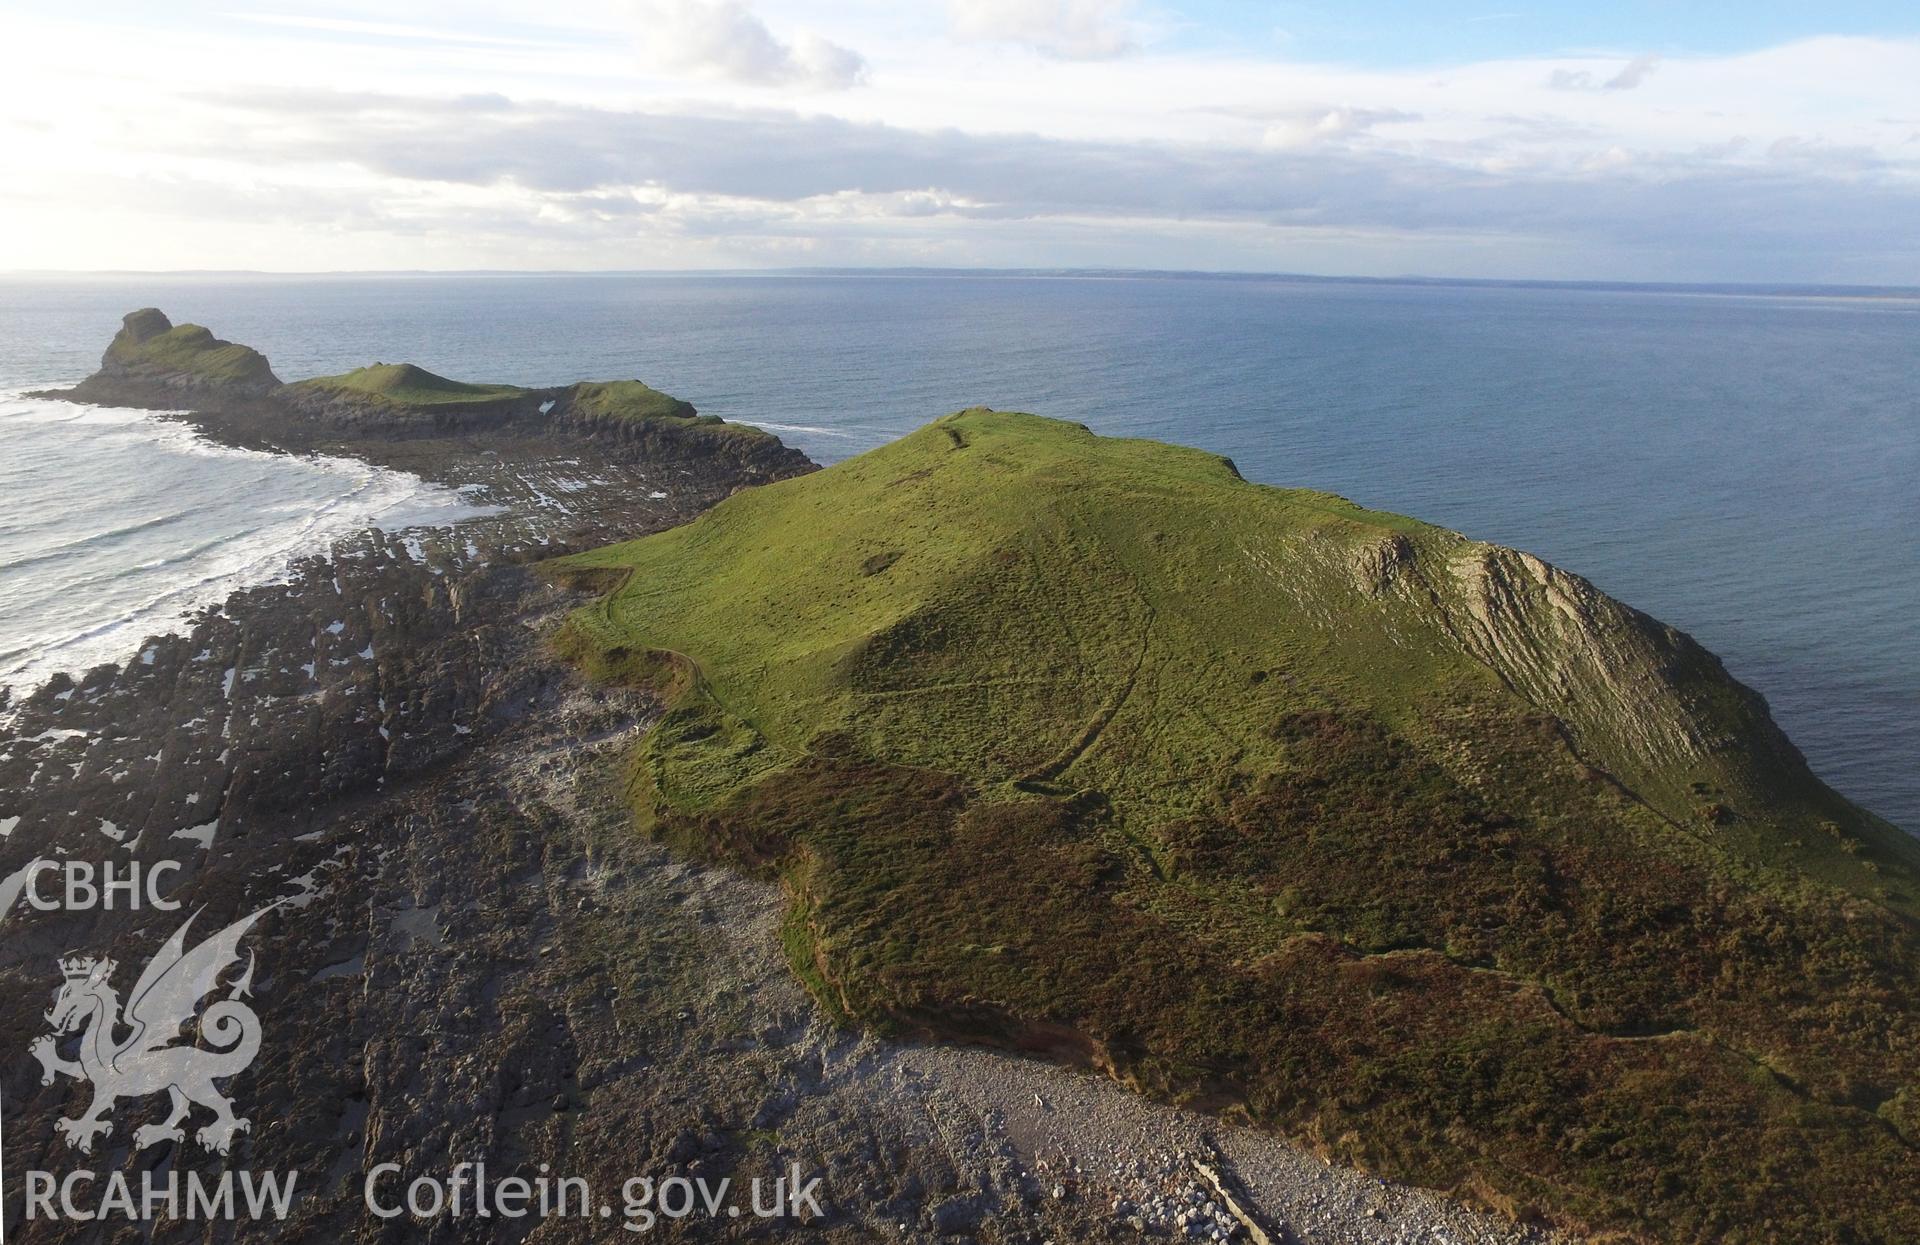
(475,959)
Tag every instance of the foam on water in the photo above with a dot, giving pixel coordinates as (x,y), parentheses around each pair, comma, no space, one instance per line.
(809,429)
(119,524)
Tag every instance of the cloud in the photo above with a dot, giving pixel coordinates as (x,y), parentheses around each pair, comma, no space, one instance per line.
(1821,155)
(1630,75)
(689,171)
(388,30)
(537,141)
(1311,127)
(1068,29)
(726,39)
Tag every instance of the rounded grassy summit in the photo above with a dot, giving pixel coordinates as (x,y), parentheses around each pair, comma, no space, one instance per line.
(407,384)
(1413,847)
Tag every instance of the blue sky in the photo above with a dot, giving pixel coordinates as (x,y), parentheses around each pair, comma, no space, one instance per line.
(1408,33)
(1766,142)
(1381,33)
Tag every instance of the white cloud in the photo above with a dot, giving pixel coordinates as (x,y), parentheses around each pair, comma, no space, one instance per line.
(1070,29)
(1312,127)
(726,39)
(590,172)
(1629,76)
(1632,74)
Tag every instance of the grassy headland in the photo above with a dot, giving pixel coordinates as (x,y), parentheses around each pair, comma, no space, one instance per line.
(631,399)
(1410,846)
(153,363)
(628,405)
(622,407)
(407,385)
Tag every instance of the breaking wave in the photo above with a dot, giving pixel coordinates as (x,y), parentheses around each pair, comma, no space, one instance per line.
(121,524)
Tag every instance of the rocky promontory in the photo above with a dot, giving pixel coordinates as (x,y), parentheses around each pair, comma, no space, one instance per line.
(154,363)
(472,958)
(402,415)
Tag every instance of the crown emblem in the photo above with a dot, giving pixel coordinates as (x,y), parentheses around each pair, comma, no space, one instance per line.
(81,967)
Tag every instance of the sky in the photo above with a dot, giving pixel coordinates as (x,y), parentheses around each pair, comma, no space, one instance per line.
(1762,141)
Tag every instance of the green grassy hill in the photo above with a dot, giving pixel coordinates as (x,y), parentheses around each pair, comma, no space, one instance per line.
(1412,847)
(622,407)
(626,405)
(407,385)
(630,399)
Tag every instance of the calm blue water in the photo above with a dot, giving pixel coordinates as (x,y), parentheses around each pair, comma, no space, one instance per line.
(1742,467)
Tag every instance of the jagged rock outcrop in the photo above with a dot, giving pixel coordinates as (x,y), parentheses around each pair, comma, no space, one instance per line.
(153,362)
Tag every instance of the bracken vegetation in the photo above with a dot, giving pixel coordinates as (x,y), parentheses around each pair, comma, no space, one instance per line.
(1415,849)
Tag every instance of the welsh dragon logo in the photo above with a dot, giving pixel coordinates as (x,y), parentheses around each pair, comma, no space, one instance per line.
(140,1052)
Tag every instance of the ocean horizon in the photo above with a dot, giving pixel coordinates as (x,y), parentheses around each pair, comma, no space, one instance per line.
(1754,289)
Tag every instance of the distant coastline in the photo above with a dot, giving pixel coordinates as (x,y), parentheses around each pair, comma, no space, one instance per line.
(1719,289)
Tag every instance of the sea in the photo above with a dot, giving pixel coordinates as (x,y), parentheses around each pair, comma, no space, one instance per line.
(1744,465)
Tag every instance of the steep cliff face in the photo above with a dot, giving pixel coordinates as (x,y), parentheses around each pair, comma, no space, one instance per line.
(1635,696)
(629,418)
(1416,846)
